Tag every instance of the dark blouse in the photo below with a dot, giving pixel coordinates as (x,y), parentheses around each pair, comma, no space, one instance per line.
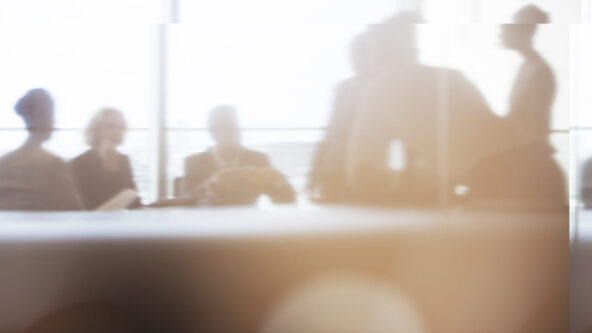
(97,184)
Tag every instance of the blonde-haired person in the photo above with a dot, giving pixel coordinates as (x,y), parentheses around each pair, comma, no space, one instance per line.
(102,172)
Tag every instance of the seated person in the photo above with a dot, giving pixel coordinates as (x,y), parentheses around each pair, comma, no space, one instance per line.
(32,178)
(102,172)
(228,173)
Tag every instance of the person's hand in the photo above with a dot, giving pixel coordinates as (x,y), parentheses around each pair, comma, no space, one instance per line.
(272,183)
(244,185)
(263,177)
(231,186)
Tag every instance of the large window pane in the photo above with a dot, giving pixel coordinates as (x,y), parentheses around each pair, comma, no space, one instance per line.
(278,62)
(84,67)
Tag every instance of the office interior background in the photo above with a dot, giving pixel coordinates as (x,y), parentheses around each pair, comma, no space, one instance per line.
(166,63)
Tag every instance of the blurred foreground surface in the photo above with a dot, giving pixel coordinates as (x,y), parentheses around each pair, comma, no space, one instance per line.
(284,269)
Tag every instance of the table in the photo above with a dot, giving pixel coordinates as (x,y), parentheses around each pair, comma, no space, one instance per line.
(227,269)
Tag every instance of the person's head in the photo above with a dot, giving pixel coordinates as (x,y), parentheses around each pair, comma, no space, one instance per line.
(520,34)
(36,108)
(107,127)
(223,124)
(395,39)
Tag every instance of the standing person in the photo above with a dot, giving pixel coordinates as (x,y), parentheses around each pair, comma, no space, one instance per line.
(443,122)
(533,91)
(328,177)
(528,172)
(102,172)
(32,178)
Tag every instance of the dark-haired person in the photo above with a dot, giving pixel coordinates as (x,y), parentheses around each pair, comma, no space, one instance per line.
(102,172)
(32,178)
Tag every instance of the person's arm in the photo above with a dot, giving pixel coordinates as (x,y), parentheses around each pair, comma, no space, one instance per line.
(234,186)
(128,174)
(189,182)
(129,182)
(272,183)
(262,161)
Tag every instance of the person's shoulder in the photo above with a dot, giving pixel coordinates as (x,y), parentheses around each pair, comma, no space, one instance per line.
(47,158)
(254,155)
(542,69)
(89,154)
(10,158)
(9,155)
(123,157)
(87,159)
(197,157)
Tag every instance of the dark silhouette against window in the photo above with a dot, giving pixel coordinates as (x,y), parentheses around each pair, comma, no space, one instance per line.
(32,178)
(450,137)
(533,91)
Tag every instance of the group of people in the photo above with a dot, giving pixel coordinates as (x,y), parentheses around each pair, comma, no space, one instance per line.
(451,138)
(455,148)
(31,178)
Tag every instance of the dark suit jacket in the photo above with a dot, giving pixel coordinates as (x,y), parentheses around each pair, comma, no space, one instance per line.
(96,184)
(201,166)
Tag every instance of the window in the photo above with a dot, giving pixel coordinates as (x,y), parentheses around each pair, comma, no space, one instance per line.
(84,67)
(74,11)
(278,62)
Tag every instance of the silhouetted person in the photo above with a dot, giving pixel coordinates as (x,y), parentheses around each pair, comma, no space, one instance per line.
(527,174)
(102,172)
(228,173)
(443,121)
(533,91)
(32,178)
(328,179)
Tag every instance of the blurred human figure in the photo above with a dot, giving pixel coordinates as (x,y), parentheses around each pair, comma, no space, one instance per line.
(102,172)
(32,178)
(328,180)
(527,174)
(441,118)
(228,173)
(533,91)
